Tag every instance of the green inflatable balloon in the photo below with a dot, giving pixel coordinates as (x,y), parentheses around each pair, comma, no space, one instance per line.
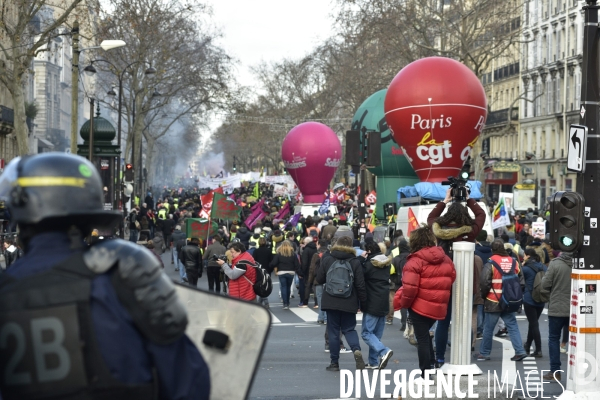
(394,171)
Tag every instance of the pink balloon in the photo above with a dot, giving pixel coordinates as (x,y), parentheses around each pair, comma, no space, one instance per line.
(311,154)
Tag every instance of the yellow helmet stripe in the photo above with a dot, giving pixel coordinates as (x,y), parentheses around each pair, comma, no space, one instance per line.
(31,181)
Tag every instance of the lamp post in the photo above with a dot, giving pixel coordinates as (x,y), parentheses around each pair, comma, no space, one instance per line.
(532,156)
(149,71)
(105,45)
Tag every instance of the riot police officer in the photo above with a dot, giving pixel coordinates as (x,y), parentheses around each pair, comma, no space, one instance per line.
(86,323)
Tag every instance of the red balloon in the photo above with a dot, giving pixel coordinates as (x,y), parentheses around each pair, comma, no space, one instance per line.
(311,153)
(436,108)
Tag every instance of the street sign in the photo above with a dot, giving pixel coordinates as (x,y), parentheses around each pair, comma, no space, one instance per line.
(577,148)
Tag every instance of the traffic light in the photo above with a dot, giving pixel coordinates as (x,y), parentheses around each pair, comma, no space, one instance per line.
(234,164)
(129,175)
(567,220)
(465,172)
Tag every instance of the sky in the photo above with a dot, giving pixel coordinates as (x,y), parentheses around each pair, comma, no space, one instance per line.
(270,30)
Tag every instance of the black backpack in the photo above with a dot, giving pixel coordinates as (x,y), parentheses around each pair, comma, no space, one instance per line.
(536,291)
(340,279)
(263,286)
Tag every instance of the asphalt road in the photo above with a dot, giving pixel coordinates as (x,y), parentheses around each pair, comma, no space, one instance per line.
(294,360)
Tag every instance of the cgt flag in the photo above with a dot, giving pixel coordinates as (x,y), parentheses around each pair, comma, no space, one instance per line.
(285,210)
(500,217)
(224,208)
(412,222)
(200,228)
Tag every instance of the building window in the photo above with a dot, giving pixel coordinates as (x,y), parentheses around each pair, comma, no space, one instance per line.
(568,184)
(557,94)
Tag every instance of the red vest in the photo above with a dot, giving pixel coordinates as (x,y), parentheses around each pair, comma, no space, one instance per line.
(242,286)
(505,263)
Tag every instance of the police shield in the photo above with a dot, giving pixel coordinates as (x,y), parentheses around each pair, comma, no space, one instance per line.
(230,335)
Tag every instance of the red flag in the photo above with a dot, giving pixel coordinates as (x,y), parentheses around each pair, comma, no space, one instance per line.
(341,196)
(412,222)
(371,198)
(207,200)
(332,197)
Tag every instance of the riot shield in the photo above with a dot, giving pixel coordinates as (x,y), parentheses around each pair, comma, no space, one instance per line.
(230,334)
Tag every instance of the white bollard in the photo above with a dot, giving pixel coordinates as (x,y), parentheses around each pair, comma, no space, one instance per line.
(462,312)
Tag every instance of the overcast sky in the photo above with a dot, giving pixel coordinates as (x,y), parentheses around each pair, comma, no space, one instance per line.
(270,30)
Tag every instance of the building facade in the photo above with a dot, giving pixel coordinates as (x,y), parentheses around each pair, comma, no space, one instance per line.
(533,102)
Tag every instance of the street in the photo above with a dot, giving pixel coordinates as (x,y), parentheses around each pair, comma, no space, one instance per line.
(293,363)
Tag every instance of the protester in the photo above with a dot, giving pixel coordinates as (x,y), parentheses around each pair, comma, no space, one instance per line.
(375,308)
(427,278)
(213,269)
(557,282)
(241,275)
(491,286)
(341,311)
(285,264)
(191,259)
(533,309)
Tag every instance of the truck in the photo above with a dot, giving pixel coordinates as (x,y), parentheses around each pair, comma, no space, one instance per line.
(308,209)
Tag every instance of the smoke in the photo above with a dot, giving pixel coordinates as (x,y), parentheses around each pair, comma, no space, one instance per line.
(212,163)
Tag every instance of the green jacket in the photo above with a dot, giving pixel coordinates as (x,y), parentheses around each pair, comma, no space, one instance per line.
(557,281)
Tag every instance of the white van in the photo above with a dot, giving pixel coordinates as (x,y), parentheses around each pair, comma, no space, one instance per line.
(308,209)
(422,212)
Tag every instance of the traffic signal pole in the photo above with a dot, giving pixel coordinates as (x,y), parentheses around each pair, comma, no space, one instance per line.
(583,371)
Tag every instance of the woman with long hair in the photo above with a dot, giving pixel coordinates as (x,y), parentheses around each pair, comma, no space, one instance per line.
(427,278)
(285,264)
(533,309)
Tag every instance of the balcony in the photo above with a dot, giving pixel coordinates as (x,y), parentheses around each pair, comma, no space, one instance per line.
(500,117)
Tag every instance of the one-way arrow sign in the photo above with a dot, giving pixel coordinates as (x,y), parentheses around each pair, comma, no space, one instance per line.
(577,148)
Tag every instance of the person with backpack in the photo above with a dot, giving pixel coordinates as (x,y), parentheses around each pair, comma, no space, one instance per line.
(533,271)
(454,226)
(242,277)
(342,274)
(427,279)
(375,309)
(501,285)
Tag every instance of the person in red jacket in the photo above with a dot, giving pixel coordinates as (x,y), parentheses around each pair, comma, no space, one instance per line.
(427,278)
(241,276)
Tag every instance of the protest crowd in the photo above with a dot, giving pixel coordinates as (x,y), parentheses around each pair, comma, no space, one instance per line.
(250,234)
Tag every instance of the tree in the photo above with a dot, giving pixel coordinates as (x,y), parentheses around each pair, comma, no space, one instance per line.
(24,33)
(193,74)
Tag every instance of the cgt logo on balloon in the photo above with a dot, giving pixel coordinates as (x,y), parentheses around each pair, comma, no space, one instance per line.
(436,109)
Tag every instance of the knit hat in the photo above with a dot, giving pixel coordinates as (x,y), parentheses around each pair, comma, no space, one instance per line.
(356,243)
(368,237)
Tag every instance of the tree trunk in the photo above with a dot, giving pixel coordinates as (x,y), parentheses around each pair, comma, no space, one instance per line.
(21,129)
(150,167)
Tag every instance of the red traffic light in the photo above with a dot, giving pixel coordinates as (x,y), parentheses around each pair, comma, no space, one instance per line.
(128,166)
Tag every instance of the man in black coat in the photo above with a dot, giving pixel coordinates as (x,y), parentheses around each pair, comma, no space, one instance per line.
(341,312)
(377,278)
(191,258)
(308,251)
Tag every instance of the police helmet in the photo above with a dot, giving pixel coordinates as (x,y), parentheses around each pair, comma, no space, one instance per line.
(53,186)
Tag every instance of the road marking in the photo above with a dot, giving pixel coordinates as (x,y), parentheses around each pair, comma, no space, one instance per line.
(307,314)
(274,319)
(509,368)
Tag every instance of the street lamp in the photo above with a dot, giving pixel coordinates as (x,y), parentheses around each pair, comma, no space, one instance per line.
(149,71)
(531,156)
(105,45)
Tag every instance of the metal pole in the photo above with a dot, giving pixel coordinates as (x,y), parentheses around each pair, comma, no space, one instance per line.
(119,180)
(91,138)
(74,87)
(132,131)
(584,345)
(141,189)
